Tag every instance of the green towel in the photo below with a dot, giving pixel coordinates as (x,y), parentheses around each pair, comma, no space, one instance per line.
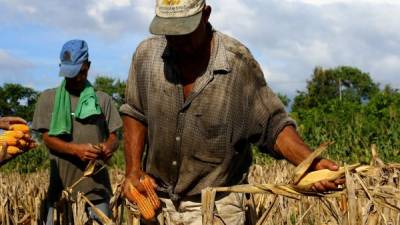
(61,118)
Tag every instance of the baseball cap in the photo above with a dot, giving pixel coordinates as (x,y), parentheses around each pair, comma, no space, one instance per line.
(72,56)
(176,17)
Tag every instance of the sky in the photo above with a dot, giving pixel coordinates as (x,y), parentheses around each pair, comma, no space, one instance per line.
(289,38)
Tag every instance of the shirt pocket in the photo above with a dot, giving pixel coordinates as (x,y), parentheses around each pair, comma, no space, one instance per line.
(211,141)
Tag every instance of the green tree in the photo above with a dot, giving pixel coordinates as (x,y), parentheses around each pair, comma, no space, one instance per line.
(284,99)
(345,106)
(339,83)
(115,88)
(17,100)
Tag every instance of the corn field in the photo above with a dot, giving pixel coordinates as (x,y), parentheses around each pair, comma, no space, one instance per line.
(371,196)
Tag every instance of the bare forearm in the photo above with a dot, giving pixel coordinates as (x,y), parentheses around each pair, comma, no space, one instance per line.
(112,141)
(291,146)
(134,137)
(58,145)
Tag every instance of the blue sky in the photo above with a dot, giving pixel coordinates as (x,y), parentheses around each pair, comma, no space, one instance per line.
(288,37)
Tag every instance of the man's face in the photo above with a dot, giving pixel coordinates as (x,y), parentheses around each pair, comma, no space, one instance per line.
(186,45)
(77,83)
(189,45)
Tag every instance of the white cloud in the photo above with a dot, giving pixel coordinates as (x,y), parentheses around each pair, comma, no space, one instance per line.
(348,2)
(101,7)
(291,37)
(10,63)
(288,37)
(106,18)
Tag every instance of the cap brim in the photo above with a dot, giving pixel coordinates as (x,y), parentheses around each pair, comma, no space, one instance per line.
(69,71)
(175,26)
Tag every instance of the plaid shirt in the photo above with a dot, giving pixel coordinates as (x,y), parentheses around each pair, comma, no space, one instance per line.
(204,140)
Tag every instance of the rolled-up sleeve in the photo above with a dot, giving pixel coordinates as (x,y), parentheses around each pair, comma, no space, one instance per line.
(133,106)
(267,116)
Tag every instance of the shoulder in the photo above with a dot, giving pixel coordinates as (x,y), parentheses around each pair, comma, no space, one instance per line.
(152,44)
(48,94)
(49,91)
(44,105)
(103,96)
(235,47)
(238,52)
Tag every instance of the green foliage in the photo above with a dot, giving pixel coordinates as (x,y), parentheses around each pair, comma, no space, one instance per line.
(115,88)
(38,159)
(261,158)
(284,99)
(29,162)
(342,82)
(17,100)
(118,158)
(360,118)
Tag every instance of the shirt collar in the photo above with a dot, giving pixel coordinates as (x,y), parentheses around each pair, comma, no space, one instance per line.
(220,55)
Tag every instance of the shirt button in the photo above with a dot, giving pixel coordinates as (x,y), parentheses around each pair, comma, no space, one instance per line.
(178,138)
(174,163)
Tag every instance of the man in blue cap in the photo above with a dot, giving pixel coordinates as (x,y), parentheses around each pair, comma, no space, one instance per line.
(78,124)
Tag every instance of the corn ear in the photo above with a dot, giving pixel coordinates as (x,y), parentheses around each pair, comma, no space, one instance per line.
(302,168)
(316,176)
(13,133)
(151,194)
(144,205)
(21,127)
(10,141)
(12,150)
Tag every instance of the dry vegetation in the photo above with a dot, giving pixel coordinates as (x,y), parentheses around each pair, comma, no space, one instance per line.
(371,196)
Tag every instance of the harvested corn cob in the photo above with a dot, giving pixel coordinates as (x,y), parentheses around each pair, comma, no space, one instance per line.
(12,150)
(151,194)
(14,133)
(144,205)
(11,141)
(17,139)
(21,127)
(316,176)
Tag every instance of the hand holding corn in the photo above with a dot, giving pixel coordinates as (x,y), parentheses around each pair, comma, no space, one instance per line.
(141,191)
(17,139)
(330,183)
(86,152)
(5,122)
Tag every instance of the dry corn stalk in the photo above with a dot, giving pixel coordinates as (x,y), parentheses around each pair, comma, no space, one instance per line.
(319,175)
(207,207)
(103,218)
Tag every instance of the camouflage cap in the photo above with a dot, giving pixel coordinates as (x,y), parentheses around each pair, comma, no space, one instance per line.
(176,17)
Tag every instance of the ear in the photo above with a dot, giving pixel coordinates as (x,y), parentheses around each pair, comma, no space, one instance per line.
(206,13)
(88,63)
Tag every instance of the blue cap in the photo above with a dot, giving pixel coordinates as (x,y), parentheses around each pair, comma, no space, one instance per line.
(72,56)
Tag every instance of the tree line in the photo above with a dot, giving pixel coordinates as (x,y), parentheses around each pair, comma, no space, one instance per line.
(342,105)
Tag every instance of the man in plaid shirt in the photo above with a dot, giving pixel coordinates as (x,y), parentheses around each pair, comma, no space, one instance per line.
(197,100)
